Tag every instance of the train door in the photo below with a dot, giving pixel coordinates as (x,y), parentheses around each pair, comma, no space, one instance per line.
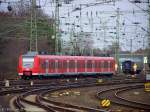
(46,66)
(93,66)
(81,66)
(109,69)
(78,66)
(111,66)
(71,66)
(101,66)
(89,66)
(64,70)
(42,66)
(56,65)
(105,66)
(60,69)
(96,65)
(52,66)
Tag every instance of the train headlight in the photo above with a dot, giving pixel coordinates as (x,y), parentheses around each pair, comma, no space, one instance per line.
(116,67)
(135,67)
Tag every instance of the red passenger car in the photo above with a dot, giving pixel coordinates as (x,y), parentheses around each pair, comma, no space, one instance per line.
(50,65)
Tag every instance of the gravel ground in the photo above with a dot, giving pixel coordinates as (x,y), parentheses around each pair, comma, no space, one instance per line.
(87,97)
(138,95)
(4,103)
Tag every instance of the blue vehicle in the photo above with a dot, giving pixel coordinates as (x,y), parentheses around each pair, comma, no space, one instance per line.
(127,66)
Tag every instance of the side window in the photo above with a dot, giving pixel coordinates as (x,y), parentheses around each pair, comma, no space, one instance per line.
(83,64)
(111,65)
(64,64)
(43,64)
(105,64)
(102,64)
(59,64)
(99,64)
(46,63)
(89,64)
(56,64)
(95,64)
(78,64)
(52,64)
(71,64)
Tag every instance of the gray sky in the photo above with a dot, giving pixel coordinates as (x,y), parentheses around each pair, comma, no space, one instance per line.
(98,17)
(95,19)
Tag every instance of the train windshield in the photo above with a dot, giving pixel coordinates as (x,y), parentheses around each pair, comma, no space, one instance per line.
(28,62)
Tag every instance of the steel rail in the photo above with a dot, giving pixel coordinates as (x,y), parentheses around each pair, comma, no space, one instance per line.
(139,104)
(121,101)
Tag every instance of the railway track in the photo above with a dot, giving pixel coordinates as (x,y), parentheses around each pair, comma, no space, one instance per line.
(40,87)
(58,81)
(113,94)
(48,105)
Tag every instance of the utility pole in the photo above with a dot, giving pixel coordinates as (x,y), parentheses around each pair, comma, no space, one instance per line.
(130,48)
(104,36)
(33,32)
(92,25)
(80,18)
(56,26)
(117,38)
(149,34)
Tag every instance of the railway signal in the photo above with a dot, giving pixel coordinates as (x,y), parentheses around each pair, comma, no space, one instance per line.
(135,67)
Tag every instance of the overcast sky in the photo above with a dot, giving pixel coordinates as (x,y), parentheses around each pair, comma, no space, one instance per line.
(95,19)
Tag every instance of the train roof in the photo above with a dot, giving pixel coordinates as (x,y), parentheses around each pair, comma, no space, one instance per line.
(74,57)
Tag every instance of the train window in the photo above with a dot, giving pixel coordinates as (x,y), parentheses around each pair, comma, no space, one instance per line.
(95,64)
(46,63)
(56,64)
(71,64)
(89,64)
(52,64)
(59,64)
(105,64)
(111,64)
(101,65)
(78,64)
(83,65)
(43,64)
(28,62)
(65,64)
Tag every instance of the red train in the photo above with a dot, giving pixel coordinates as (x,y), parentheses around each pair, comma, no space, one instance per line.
(50,65)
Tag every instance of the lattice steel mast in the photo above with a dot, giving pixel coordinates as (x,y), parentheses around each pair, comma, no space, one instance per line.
(33,33)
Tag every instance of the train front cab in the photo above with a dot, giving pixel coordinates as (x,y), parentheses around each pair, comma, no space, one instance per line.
(27,67)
